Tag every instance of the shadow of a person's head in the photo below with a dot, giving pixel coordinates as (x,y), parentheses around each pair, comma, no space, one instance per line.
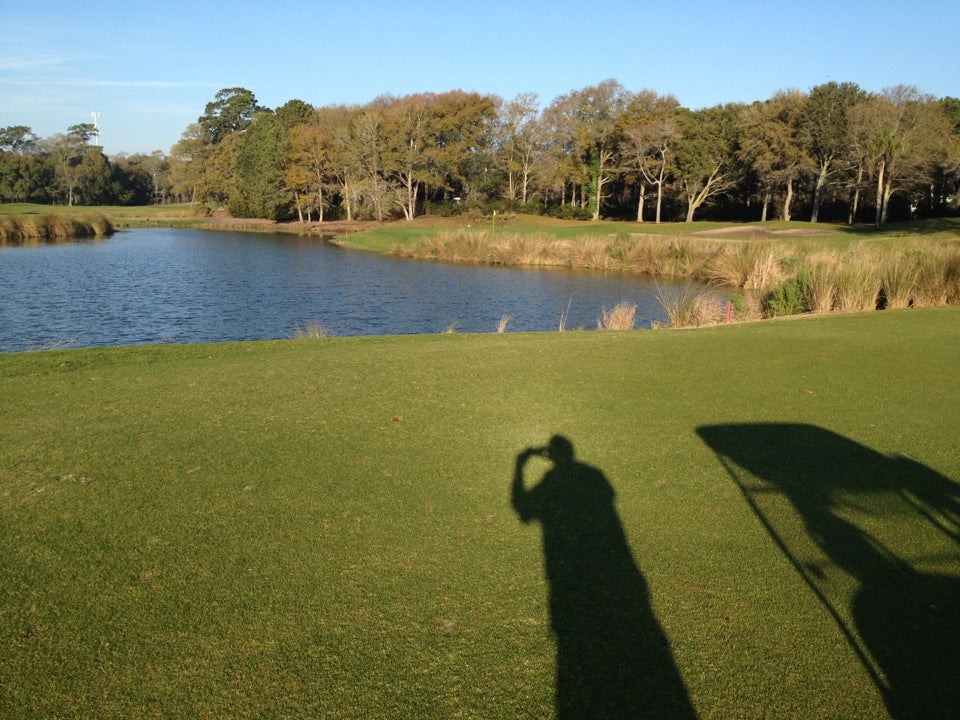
(560,450)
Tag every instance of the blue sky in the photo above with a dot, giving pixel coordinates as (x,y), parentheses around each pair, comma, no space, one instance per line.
(149,68)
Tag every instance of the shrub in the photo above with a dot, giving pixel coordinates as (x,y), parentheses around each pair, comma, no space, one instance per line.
(790,297)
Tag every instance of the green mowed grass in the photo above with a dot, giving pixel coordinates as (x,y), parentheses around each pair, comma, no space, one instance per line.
(323,528)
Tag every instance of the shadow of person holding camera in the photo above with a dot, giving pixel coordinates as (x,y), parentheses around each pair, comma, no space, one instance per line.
(613,659)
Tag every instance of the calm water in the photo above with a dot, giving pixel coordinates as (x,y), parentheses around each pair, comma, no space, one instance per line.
(164,285)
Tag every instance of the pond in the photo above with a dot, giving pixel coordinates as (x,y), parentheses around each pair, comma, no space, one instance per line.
(187,286)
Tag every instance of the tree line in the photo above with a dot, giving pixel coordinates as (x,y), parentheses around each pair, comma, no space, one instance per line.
(67,169)
(835,152)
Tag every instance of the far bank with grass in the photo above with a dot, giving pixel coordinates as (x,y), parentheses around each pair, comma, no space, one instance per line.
(772,269)
(52,227)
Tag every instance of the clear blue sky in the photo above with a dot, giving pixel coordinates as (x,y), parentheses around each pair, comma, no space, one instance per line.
(149,68)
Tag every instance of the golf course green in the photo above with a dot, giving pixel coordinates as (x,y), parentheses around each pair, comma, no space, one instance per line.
(326,527)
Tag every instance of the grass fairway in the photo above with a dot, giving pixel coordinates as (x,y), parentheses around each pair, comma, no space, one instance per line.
(324,528)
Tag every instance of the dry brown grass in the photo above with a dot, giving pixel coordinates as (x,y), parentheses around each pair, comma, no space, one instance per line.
(54,227)
(899,275)
(690,307)
(751,266)
(621,317)
(60,227)
(821,267)
(641,255)
(312,330)
(99,224)
(20,228)
(857,280)
(938,281)
(834,279)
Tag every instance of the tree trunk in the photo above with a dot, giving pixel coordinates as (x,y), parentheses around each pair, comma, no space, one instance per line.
(878,216)
(600,183)
(663,166)
(887,192)
(766,203)
(696,197)
(788,199)
(604,157)
(643,195)
(347,200)
(296,200)
(409,204)
(855,200)
(818,190)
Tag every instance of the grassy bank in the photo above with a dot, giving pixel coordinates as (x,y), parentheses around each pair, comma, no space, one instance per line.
(323,528)
(784,268)
(399,237)
(52,227)
(120,216)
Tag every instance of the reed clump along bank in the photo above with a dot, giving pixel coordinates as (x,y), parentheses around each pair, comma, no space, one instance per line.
(55,227)
(621,316)
(776,278)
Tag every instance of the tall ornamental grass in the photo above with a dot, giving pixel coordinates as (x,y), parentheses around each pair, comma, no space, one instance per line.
(780,278)
(899,277)
(751,266)
(821,285)
(52,228)
(621,316)
(689,306)
(858,281)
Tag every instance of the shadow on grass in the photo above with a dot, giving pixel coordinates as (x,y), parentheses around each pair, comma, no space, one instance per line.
(613,659)
(926,226)
(870,536)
